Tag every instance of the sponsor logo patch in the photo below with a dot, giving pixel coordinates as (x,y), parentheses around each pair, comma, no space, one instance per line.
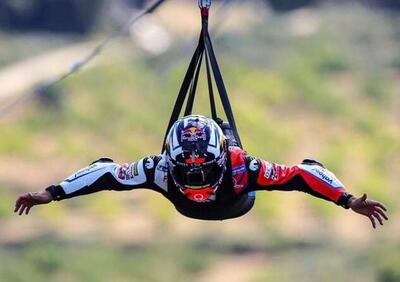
(149,163)
(193,134)
(270,171)
(123,172)
(254,166)
(323,175)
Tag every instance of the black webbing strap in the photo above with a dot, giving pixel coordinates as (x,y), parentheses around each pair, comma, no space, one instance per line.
(193,87)
(184,87)
(191,80)
(221,87)
(210,89)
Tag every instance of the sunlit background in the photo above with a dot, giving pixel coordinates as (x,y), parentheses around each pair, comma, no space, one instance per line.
(306,78)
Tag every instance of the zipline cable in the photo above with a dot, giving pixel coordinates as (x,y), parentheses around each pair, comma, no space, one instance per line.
(76,67)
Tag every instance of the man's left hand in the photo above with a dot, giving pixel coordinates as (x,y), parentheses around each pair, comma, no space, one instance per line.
(372,209)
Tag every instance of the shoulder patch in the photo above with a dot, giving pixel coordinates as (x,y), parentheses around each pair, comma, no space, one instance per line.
(254,165)
(149,163)
(131,174)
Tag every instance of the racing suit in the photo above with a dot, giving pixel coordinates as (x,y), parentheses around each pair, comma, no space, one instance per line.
(244,175)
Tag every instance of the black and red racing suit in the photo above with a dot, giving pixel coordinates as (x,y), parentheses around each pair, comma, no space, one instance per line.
(235,196)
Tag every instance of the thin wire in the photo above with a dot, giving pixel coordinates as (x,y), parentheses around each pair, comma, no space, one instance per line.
(76,67)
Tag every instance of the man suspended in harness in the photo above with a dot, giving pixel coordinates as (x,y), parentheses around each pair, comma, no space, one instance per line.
(203,170)
(205,177)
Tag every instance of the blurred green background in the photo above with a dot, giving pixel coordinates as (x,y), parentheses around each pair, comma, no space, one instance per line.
(321,81)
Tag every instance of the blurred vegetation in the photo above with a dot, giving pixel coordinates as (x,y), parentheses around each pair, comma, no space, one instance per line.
(53,15)
(50,259)
(331,95)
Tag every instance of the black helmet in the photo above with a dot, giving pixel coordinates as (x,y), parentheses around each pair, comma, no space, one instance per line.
(196,153)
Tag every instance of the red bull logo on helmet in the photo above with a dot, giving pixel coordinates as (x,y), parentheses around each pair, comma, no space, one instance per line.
(193,134)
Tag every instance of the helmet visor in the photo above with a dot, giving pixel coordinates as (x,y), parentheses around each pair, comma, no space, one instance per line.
(198,176)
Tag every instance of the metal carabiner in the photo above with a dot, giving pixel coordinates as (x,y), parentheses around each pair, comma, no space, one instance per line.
(204,4)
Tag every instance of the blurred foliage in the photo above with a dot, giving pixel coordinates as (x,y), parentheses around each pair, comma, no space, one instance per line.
(6,200)
(387,261)
(53,15)
(50,259)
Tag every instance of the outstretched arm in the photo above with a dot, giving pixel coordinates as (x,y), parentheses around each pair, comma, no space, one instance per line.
(103,174)
(313,178)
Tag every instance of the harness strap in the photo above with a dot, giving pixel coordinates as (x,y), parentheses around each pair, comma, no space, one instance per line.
(221,87)
(192,76)
(193,87)
(184,88)
(210,90)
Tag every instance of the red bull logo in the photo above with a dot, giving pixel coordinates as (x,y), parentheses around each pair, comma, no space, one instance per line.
(193,134)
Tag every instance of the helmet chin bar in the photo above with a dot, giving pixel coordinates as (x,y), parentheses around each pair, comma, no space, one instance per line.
(201,193)
(204,195)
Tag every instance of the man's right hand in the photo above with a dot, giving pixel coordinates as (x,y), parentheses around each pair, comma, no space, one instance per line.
(26,201)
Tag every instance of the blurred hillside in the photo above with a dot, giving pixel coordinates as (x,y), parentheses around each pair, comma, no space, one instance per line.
(319,82)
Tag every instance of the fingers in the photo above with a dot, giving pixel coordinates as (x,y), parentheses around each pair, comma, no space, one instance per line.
(377,204)
(21,211)
(22,204)
(20,200)
(378,211)
(20,208)
(382,213)
(23,208)
(18,204)
(378,217)
(29,207)
(372,221)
